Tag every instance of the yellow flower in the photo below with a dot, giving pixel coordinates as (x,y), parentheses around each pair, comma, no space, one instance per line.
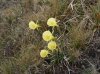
(33,25)
(52,22)
(52,45)
(47,36)
(44,53)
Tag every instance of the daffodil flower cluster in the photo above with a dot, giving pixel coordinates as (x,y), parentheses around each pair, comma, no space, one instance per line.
(47,36)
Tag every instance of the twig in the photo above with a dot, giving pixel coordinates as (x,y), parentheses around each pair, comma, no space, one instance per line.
(66,59)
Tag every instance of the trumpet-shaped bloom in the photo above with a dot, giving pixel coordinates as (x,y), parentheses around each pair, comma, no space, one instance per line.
(52,45)
(52,22)
(47,36)
(33,25)
(44,53)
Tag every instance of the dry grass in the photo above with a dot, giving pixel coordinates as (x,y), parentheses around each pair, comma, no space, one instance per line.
(20,47)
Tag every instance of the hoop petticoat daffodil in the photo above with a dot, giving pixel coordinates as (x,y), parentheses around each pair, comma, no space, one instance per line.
(52,22)
(33,25)
(44,53)
(47,36)
(52,45)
